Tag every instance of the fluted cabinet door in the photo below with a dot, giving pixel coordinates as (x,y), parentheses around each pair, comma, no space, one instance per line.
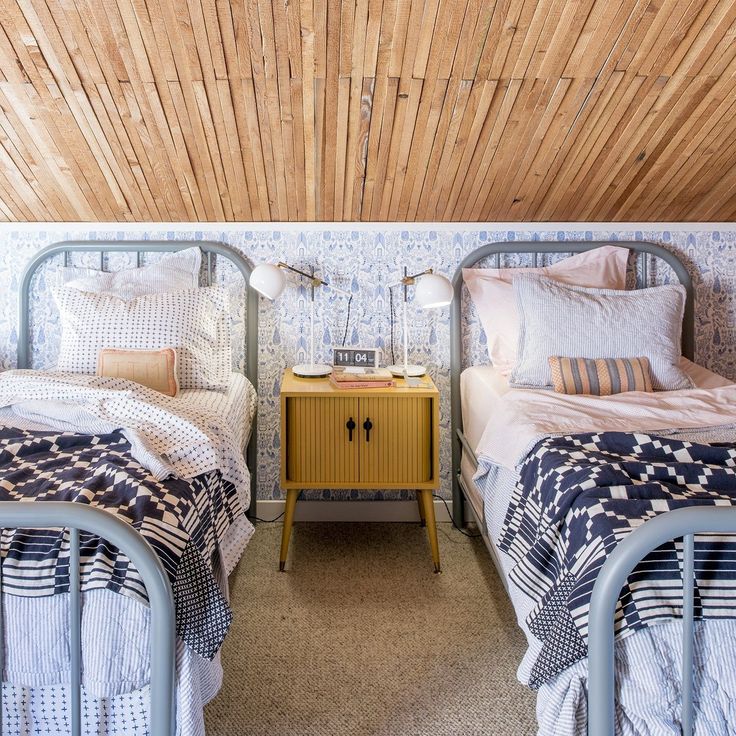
(397,448)
(318,443)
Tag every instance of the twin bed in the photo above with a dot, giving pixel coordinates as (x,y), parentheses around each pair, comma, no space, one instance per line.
(556,482)
(94,644)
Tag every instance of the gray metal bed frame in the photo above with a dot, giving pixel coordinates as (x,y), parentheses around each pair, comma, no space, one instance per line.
(680,523)
(75,517)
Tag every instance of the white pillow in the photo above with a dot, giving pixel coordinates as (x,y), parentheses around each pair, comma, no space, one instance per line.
(195,322)
(493,296)
(173,272)
(575,322)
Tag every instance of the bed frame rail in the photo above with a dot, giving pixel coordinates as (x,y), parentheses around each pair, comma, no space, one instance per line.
(685,523)
(76,517)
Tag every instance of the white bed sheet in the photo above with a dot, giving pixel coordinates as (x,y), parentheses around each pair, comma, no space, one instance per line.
(480,385)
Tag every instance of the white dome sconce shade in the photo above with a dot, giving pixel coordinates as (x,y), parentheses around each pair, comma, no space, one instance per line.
(432,291)
(268,280)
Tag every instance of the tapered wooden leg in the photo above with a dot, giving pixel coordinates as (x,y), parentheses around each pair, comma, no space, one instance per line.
(431,528)
(291,496)
(420,503)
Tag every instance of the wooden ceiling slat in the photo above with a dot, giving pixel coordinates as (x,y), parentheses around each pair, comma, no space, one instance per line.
(425,29)
(605,125)
(715,122)
(511,198)
(430,108)
(42,69)
(535,97)
(485,178)
(367,110)
(685,120)
(444,159)
(672,107)
(531,188)
(473,49)
(23,180)
(704,181)
(470,131)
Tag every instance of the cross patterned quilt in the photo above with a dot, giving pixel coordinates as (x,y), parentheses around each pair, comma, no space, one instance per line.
(184,521)
(577,496)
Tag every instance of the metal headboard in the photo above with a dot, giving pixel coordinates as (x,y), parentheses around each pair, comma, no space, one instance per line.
(210,250)
(536,249)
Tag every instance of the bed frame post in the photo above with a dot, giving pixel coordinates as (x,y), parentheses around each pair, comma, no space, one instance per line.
(73,516)
(456,416)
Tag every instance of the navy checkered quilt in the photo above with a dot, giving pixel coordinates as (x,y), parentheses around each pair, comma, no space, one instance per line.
(578,495)
(183,520)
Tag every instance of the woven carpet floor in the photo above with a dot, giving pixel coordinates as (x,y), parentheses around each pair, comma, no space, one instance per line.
(359,637)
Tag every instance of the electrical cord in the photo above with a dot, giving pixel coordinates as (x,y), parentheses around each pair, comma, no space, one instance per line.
(391,313)
(462,531)
(434,495)
(266,521)
(347,321)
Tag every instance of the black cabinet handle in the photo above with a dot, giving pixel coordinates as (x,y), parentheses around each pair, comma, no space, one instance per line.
(367,426)
(350,424)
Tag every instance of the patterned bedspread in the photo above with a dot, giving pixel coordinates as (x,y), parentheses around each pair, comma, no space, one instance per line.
(184,521)
(577,496)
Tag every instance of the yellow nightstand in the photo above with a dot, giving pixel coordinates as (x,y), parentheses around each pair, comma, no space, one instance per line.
(375,438)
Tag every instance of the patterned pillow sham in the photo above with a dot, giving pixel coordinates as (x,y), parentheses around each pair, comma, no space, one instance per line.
(194,322)
(155,369)
(556,319)
(599,377)
(173,272)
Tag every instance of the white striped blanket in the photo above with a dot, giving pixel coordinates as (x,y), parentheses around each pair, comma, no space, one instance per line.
(577,496)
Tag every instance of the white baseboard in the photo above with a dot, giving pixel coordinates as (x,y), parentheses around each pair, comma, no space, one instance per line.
(352,510)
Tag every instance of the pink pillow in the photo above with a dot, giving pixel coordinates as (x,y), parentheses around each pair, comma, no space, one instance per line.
(493,295)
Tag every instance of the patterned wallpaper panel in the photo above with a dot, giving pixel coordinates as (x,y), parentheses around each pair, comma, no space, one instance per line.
(365,261)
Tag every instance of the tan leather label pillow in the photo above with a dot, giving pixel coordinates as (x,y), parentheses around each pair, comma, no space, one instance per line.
(155,369)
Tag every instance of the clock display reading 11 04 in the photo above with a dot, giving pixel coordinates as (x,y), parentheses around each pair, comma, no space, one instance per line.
(356,357)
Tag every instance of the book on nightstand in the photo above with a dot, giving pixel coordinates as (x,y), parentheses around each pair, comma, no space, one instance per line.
(364,375)
(350,378)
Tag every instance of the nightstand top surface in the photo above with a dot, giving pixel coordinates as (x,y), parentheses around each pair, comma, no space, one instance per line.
(292,385)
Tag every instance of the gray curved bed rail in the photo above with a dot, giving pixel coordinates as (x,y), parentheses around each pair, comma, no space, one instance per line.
(209,248)
(536,248)
(76,517)
(684,522)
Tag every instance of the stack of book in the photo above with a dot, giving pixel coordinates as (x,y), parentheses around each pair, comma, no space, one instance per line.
(349,378)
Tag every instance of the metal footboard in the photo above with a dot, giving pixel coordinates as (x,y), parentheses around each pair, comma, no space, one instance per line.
(684,523)
(76,517)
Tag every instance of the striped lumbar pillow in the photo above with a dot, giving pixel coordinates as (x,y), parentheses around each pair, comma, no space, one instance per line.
(600,377)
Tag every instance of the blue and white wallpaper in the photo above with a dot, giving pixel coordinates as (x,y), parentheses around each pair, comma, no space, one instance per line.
(365,261)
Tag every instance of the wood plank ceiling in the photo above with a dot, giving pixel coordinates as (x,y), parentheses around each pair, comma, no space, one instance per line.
(415,110)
